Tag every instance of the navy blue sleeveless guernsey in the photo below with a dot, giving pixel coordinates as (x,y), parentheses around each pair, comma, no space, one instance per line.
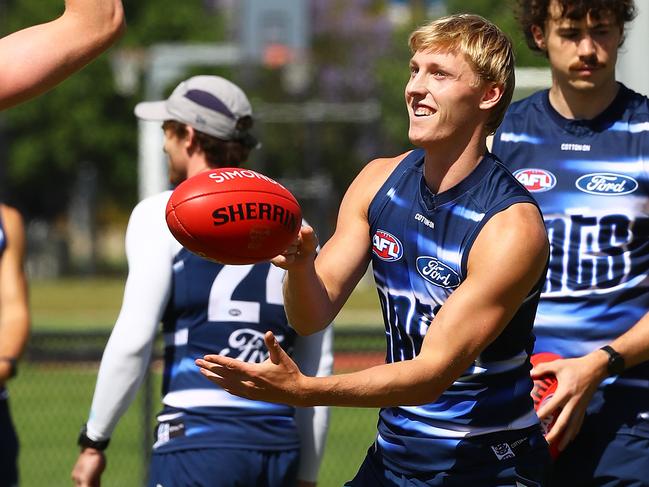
(225,310)
(590,179)
(421,242)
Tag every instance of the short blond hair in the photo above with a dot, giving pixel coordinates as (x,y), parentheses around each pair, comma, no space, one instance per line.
(486,48)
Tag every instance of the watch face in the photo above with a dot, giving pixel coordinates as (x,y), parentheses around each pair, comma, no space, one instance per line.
(616,365)
(615,361)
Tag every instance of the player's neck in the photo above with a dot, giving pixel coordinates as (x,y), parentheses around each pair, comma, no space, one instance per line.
(574,104)
(196,164)
(445,167)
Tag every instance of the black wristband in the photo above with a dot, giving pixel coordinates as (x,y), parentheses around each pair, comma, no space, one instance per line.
(84,442)
(615,361)
(13,365)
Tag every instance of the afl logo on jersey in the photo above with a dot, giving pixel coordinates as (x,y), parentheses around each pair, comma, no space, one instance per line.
(606,184)
(386,246)
(536,180)
(437,272)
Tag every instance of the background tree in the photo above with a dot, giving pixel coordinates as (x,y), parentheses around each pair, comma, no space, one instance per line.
(502,13)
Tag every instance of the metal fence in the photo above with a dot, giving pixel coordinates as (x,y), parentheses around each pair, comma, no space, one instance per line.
(51,397)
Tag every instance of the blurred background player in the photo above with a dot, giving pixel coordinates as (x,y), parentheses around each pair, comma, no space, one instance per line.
(37,58)
(582,147)
(205,436)
(458,251)
(14,331)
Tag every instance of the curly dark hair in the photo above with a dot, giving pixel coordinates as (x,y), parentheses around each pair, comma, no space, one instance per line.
(535,12)
(218,152)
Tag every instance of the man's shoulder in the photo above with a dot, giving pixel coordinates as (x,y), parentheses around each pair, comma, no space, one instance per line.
(153,204)
(150,212)
(147,223)
(377,171)
(387,164)
(636,104)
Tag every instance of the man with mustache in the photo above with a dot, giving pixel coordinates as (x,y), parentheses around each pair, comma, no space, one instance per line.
(582,149)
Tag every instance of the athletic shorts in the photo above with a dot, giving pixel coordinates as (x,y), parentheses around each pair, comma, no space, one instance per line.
(209,467)
(612,448)
(8,448)
(523,461)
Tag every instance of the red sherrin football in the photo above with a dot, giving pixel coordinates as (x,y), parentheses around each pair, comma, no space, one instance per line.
(542,391)
(233,216)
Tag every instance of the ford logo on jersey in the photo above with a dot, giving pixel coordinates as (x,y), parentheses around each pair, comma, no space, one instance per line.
(536,180)
(606,184)
(386,246)
(437,272)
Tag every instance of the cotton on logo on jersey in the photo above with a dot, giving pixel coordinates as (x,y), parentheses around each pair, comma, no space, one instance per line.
(606,184)
(536,180)
(422,219)
(437,273)
(386,246)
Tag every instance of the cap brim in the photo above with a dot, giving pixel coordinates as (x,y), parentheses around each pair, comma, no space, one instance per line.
(152,110)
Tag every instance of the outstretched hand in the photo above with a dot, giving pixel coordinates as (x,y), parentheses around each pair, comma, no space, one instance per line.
(277,379)
(578,379)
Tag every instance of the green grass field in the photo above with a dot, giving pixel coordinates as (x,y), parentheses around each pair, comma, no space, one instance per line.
(49,404)
(50,401)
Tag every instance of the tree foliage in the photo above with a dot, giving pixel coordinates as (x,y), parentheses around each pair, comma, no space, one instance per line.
(502,13)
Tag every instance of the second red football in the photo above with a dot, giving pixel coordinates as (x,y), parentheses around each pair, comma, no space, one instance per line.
(543,391)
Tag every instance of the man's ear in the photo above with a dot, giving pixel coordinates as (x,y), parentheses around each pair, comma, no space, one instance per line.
(539,37)
(491,96)
(190,137)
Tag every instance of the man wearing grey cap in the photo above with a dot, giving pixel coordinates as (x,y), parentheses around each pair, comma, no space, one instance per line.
(204,435)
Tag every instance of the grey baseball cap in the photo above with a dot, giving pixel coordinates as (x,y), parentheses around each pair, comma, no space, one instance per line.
(210,104)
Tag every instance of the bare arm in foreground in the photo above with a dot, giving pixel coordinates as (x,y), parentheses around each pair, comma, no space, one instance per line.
(37,58)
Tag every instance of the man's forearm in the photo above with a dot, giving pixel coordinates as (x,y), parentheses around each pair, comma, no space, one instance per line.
(308,306)
(407,383)
(634,344)
(120,375)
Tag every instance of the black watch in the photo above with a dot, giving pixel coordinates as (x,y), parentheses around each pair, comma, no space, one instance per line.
(85,442)
(615,361)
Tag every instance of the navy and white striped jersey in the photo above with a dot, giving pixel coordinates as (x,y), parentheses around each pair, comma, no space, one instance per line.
(226,310)
(421,242)
(590,180)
